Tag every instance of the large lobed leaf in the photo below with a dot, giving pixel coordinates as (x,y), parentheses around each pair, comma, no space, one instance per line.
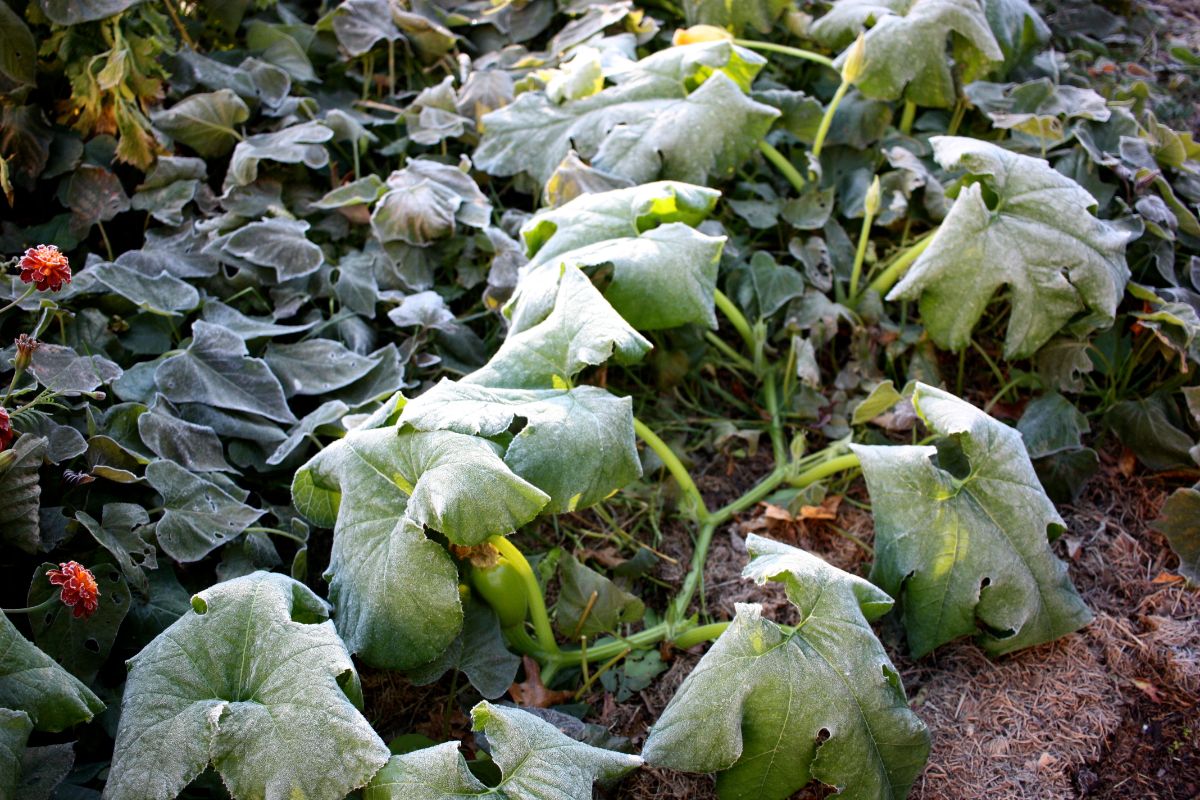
(770,709)
(663,271)
(651,124)
(906,45)
(395,591)
(577,445)
(255,681)
(538,762)
(582,330)
(962,534)
(1033,232)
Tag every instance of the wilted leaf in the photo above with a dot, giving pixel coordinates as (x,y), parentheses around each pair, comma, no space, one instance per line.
(200,515)
(611,607)
(769,709)
(576,445)
(582,330)
(255,681)
(31,681)
(1179,521)
(1149,427)
(1037,237)
(425,201)
(962,534)
(645,127)
(303,143)
(537,762)
(1051,425)
(907,43)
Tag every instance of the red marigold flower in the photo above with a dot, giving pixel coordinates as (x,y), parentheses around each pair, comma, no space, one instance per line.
(79,589)
(6,431)
(46,267)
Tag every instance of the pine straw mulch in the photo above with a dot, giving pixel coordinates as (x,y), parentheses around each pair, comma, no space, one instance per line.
(1112,711)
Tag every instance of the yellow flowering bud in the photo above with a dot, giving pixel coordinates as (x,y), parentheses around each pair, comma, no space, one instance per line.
(700,33)
(872,200)
(856,60)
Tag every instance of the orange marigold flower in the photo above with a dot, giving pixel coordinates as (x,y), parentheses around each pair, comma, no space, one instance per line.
(6,431)
(79,589)
(46,267)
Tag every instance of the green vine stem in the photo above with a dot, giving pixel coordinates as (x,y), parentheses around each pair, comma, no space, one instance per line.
(870,209)
(784,166)
(673,465)
(42,606)
(826,468)
(736,318)
(782,49)
(827,118)
(703,633)
(537,603)
(908,117)
(28,292)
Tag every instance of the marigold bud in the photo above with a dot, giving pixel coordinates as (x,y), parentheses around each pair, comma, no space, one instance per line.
(856,60)
(46,267)
(26,344)
(700,33)
(872,201)
(79,589)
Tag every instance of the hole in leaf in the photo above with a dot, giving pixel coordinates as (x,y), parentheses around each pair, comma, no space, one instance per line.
(49,618)
(92,645)
(951,458)
(983,584)
(517,425)
(822,736)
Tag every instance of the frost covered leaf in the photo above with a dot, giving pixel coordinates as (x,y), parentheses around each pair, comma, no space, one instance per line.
(317,366)
(582,330)
(122,531)
(538,762)
(1022,225)
(73,12)
(455,484)
(216,370)
(15,727)
(1179,521)
(396,592)
(205,122)
(361,24)
(32,682)
(254,680)
(22,492)
(907,42)
(280,244)
(302,143)
(1018,29)
(200,515)
(663,271)
(367,189)
(962,534)
(162,294)
(649,125)
(770,710)
(425,201)
(61,369)
(576,445)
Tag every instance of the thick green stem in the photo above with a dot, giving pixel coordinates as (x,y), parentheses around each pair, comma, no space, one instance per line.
(778,447)
(861,253)
(895,271)
(783,49)
(736,318)
(823,470)
(827,119)
(737,358)
(673,465)
(537,603)
(908,117)
(42,606)
(784,166)
(695,636)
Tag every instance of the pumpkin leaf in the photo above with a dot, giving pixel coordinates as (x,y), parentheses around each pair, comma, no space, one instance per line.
(769,709)
(255,681)
(1035,233)
(538,762)
(963,534)
(32,682)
